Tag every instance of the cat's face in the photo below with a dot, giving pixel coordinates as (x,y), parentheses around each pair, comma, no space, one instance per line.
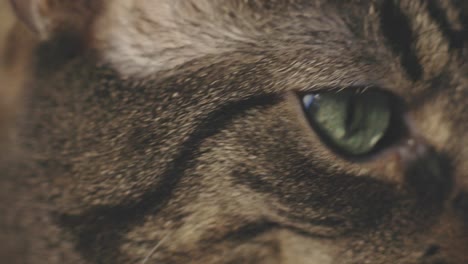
(252,132)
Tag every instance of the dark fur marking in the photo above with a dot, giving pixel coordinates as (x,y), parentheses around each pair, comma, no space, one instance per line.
(431,177)
(460,204)
(102,226)
(249,231)
(397,29)
(456,38)
(462,6)
(343,222)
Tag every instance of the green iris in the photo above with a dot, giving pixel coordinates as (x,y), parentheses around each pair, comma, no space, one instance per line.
(353,121)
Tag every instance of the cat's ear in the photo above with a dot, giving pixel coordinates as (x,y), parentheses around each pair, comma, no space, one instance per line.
(49,17)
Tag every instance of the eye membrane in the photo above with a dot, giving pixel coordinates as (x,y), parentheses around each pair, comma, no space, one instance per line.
(355,122)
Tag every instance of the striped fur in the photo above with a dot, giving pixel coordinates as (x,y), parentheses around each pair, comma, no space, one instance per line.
(169,132)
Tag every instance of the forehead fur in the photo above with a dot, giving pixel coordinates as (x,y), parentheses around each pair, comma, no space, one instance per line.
(143,36)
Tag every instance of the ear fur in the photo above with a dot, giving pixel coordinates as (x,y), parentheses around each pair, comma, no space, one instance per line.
(49,17)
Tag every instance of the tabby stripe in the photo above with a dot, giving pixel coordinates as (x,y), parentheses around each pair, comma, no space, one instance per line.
(439,15)
(396,28)
(462,5)
(249,231)
(100,229)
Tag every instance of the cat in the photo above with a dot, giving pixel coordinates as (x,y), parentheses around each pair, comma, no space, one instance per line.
(237,131)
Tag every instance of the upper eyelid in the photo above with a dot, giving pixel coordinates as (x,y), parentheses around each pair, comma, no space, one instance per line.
(340,88)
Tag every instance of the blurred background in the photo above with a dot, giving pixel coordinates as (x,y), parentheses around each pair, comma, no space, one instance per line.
(9,101)
(9,79)
(5,16)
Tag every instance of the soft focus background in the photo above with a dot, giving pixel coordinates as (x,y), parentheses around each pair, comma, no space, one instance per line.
(8,100)
(5,16)
(15,46)
(6,91)
(10,77)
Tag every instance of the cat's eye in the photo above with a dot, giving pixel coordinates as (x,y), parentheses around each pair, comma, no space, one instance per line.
(355,122)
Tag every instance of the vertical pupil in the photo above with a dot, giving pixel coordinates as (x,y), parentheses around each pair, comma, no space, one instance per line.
(350,116)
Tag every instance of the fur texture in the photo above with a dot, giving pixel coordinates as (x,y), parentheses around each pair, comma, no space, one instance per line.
(173,133)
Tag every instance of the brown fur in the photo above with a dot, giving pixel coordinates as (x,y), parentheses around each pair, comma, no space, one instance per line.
(175,135)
